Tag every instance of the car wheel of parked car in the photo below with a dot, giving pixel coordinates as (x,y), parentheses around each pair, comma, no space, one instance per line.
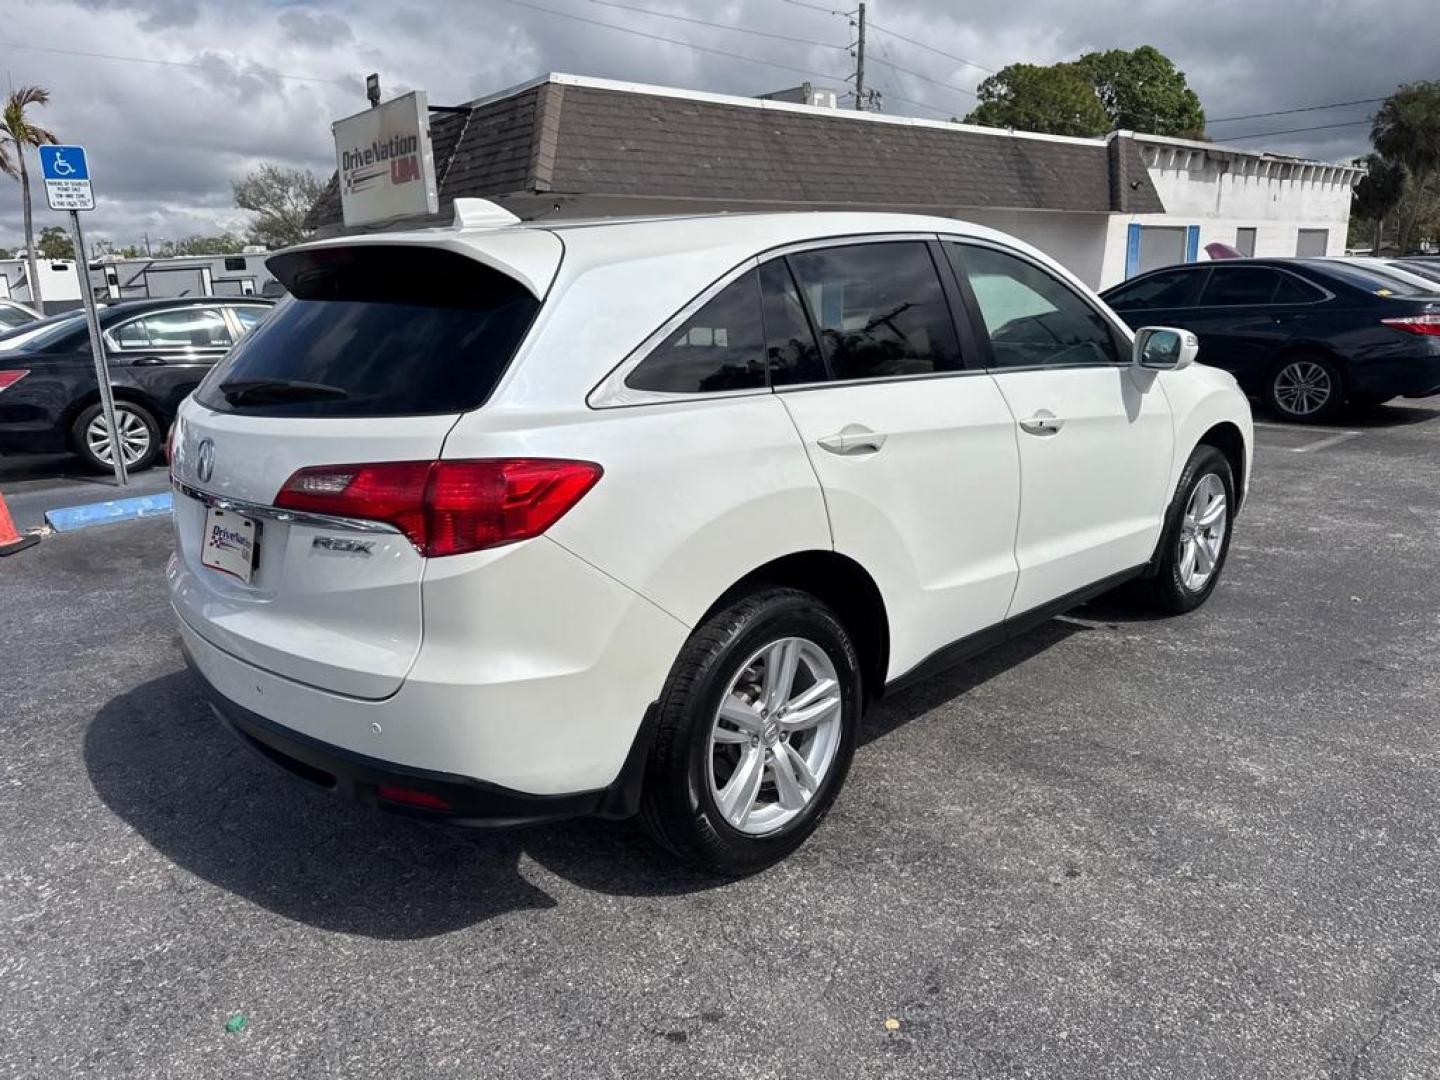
(139,437)
(1306,387)
(755,732)
(1197,534)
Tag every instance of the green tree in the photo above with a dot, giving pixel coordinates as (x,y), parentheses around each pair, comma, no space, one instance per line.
(221,244)
(1375,197)
(55,243)
(1142,90)
(1059,99)
(1406,133)
(1139,90)
(279,199)
(17,134)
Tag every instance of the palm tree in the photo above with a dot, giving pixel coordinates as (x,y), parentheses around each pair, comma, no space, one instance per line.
(19,133)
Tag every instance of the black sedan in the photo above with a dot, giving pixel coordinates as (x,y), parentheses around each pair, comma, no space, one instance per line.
(158,350)
(1304,335)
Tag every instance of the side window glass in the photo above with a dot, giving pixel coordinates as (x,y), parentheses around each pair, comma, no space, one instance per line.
(132,335)
(790,350)
(1292,290)
(720,347)
(249,317)
(193,328)
(1239,285)
(1034,319)
(1156,291)
(879,308)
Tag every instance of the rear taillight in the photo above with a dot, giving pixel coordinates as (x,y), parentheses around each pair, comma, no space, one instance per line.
(1429,325)
(447,507)
(10,378)
(411,797)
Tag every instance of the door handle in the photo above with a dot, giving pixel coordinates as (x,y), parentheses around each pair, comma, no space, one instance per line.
(147,361)
(852,439)
(1044,422)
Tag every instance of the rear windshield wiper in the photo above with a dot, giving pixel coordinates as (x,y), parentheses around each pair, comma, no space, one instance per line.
(273,391)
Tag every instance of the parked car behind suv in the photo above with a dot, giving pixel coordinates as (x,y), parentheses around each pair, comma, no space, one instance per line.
(158,351)
(1304,335)
(508,523)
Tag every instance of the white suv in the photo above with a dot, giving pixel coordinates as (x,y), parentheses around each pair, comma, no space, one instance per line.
(501,522)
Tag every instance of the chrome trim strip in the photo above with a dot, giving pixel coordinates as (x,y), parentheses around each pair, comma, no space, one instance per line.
(273,513)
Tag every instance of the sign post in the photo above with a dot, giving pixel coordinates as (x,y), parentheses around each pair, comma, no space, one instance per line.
(67,187)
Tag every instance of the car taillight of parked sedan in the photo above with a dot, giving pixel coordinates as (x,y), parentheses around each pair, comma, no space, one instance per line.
(10,378)
(1426,325)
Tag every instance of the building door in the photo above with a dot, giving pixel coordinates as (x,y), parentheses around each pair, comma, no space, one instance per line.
(1150,247)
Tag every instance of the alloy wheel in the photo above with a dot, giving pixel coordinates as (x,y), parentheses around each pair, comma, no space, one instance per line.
(775,736)
(1303,388)
(134,437)
(1202,532)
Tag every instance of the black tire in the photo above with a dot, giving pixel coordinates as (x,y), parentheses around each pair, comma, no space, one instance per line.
(126,412)
(1305,388)
(1168,591)
(677,805)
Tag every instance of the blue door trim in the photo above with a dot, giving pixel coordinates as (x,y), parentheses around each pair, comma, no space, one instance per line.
(1132,250)
(1192,242)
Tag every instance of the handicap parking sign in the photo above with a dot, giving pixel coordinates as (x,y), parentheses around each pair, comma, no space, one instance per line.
(67,178)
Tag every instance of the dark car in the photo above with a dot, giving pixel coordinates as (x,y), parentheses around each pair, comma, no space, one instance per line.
(158,350)
(1304,335)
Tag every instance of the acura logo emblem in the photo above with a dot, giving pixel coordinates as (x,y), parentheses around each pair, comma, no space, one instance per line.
(205,460)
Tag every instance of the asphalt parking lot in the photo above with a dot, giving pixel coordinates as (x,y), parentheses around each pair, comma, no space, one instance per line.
(1117,847)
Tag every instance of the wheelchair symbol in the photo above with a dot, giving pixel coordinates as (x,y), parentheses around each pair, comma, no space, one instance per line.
(61,167)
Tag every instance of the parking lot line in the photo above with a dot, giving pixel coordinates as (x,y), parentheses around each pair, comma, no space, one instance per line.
(1338,437)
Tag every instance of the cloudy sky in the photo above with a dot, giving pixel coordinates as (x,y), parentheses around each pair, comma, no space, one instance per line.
(225,86)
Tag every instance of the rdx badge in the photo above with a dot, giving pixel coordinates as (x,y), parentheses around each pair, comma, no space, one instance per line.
(340,543)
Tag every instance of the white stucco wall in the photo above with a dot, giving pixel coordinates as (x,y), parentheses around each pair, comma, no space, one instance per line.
(1222,191)
(1077,241)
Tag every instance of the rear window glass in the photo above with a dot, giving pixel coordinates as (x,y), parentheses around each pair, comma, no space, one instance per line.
(1373,281)
(721,347)
(1239,285)
(1170,289)
(380,330)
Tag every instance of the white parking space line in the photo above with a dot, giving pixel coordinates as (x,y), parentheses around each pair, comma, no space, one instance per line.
(1338,437)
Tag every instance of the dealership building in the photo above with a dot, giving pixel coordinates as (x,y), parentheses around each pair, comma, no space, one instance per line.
(1108,208)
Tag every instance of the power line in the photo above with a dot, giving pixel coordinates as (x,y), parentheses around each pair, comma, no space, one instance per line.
(927,78)
(348,84)
(675,41)
(1303,108)
(818,7)
(1296,131)
(921,45)
(720,26)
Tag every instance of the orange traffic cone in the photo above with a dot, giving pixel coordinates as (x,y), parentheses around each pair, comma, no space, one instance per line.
(11,539)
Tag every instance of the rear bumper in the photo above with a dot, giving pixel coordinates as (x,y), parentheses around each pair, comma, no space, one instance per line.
(402,789)
(1408,376)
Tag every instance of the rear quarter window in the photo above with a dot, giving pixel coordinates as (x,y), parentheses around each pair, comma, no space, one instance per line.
(387,330)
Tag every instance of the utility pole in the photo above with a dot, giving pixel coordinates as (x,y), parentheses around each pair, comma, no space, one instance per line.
(860,61)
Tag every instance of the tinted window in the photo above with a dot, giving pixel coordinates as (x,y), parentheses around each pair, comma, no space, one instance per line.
(879,309)
(1240,285)
(1033,318)
(198,328)
(790,350)
(390,331)
(1371,279)
(1167,289)
(235,264)
(1292,290)
(720,347)
(12,317)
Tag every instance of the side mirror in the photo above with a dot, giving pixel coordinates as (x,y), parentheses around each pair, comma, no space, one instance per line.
(1163,348)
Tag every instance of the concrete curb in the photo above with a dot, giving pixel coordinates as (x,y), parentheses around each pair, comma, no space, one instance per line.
(68,518)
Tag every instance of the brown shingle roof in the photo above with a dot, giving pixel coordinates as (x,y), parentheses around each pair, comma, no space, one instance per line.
(569,138)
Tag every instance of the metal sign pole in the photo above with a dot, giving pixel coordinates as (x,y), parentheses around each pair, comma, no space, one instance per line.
(97,350)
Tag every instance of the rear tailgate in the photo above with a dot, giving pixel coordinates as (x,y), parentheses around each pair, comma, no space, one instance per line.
(380,351)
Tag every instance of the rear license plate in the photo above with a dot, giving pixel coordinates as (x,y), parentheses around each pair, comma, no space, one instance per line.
(232,544)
